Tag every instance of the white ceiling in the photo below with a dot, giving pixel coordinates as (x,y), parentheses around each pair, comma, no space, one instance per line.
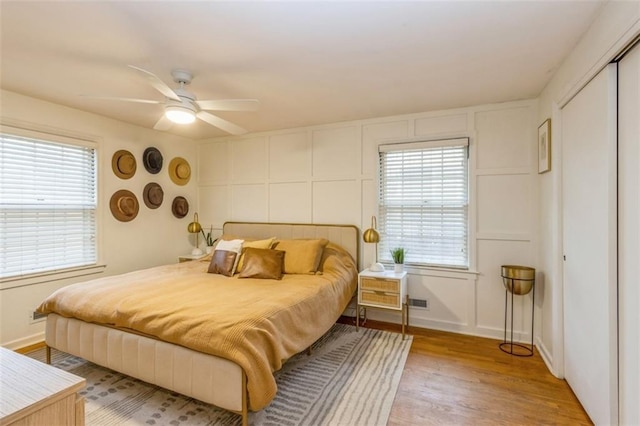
(307,62)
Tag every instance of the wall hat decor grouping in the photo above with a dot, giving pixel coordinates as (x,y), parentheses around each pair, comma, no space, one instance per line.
(179,171)
(123,164)
(180,207)
(152,160)
(124,205)
(153,195)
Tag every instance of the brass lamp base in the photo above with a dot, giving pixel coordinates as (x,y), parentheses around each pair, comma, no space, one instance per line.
(376,267)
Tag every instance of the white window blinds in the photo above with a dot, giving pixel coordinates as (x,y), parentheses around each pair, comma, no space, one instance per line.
(423,202)
(47,205)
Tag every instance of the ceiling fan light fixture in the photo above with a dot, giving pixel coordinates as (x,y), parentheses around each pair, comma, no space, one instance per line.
(180,114)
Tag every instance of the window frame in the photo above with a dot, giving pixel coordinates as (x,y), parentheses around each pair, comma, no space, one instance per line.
(48,134)
(421,142)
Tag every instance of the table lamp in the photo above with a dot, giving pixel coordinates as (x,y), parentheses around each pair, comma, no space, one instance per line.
(195,228)
(372,236)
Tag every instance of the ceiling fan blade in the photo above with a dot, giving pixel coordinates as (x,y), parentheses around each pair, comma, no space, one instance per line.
(158,84)
(116,98)
(230,105)
(220,123)
(163,124)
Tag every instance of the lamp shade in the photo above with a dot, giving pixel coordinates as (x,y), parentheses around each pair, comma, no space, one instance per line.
(194,227)
(371,235)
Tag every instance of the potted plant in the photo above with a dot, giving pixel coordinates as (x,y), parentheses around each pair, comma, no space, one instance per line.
(398,258)
(208,239)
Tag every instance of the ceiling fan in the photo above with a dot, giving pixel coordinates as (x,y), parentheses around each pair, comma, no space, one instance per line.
(182,106)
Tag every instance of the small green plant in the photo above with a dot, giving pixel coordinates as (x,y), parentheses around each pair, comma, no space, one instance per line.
(208,238)
(398,255)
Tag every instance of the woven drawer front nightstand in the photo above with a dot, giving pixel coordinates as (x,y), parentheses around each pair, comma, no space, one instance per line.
(383,290)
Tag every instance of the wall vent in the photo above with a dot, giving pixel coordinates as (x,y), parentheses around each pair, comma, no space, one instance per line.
(419,303)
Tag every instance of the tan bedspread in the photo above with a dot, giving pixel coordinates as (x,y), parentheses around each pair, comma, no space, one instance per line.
(255,323)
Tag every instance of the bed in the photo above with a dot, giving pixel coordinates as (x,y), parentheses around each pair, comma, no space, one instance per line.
(208,336)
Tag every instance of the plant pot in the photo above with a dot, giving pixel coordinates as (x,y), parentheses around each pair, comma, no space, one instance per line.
(208,249)
(518,279)
(398,267)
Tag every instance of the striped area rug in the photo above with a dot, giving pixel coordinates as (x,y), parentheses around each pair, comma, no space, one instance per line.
(351,378)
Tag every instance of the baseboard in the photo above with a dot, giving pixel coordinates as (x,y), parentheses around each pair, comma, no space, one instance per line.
(31,348)
(547,358)
(24,343)
(451,327)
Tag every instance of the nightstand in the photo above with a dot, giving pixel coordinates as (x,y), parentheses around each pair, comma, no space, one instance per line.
(190,257)
(383,290)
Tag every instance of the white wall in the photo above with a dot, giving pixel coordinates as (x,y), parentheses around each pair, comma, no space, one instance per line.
(629,235)
(327,174)
(615,27)
(154,237)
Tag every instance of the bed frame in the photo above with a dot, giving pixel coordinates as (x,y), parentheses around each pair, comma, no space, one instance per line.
(208,378)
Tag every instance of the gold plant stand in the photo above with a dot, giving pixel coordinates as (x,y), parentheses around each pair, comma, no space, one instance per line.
(518,280)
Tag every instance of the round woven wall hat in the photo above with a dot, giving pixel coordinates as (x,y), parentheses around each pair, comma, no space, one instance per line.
(180,207)
(152,160)
(123,164)
(179,171)
(124,205)
(153,195)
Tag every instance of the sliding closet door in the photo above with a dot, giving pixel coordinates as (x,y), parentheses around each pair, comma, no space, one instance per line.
(629,235)
(589,244)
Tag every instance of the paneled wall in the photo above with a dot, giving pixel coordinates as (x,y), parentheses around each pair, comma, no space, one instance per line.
(328,174)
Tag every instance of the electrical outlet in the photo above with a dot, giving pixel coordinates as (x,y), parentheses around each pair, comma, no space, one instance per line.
(35,317)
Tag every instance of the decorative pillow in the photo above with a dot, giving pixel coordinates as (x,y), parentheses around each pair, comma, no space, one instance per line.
(262,263)
(301,256)
(225,257)
(259,244)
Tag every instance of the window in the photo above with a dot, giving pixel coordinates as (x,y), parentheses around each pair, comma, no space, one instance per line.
(47,204)
(423,202)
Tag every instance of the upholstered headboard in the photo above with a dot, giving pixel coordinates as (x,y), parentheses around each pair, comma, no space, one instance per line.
(347,236)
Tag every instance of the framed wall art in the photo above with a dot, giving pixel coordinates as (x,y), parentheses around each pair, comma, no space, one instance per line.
(544,147)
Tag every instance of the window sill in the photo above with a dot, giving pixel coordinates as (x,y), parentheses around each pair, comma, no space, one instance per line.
(63,274)
(464,274)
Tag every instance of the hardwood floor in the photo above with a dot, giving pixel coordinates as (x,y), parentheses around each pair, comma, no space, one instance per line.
(453,379)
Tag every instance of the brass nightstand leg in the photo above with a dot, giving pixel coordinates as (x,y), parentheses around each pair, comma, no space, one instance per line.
(407,303)
(360,309)
(405,315)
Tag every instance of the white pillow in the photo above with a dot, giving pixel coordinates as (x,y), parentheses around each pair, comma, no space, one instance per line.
(234,246)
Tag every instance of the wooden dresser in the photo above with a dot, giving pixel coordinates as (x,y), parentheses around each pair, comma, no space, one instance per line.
(34,393)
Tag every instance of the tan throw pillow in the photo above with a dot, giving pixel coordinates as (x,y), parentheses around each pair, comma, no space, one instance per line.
(259,244)
(301,256)
(262,263)
(225,257)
